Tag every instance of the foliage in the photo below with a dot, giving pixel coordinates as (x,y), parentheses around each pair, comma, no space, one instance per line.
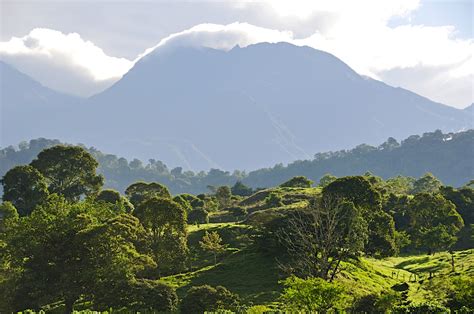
(139,192)
(297,182)
(462,294)
(273,200)
(312,295)
(212,242)
(433,222)
(241,189)
(62,251)
(25,187)
(319,238)
(198,216)
(113,197)
(428,183)
(223,196)
(69,171)
(200,299)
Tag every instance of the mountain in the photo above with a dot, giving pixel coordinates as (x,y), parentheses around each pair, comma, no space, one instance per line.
(256,106)
(28,109)
(247,108)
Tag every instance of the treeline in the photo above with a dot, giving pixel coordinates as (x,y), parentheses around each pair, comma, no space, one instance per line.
(448,156)
(65,240)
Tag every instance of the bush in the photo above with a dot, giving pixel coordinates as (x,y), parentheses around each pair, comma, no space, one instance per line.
(297,182)
(238,211)
(462,294)
(422,308)
(200,299)
(199,215)
(153,295)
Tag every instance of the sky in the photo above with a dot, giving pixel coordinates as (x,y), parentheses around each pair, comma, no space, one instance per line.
(83,47)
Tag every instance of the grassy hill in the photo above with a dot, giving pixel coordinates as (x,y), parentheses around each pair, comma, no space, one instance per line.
(255,275)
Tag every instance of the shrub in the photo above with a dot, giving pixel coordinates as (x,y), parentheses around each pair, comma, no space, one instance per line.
(153,295)
(200,299)
(297,182)
(198,216)
(422,308)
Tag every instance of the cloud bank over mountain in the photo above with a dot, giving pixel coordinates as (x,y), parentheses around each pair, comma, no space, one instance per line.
(376,38)
(64,62)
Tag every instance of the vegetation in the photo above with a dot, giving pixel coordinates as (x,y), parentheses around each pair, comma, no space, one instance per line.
(355,243)
(447,156)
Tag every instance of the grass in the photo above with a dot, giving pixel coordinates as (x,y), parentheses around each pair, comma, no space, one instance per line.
(255,276)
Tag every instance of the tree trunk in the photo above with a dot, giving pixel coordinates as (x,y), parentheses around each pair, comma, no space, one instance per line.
(69,306)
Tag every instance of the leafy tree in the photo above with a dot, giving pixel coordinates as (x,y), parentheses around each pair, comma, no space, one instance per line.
(273,200)
(355,189)
(320,238)
(69,171)
(326,180)
(428,183)
(241,189)
(7,212)
(297,182)
(312,295)
(113,197)
(63,251)
(212,242)
(199,216)
(223,196)
(25,188)
(165,221)
(433,222)
(400,185)
(200,299)
(141,191)
(382,236)
(181,200)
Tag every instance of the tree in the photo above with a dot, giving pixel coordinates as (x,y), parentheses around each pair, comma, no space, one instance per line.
(433,222)
(223,195)
(273,200)
(114,198)
(69,171)
(25,187)
(63,251)
(428,183)
(165,222)
(319,238)
(312,295)
(212,242)
(139,192)
(326,180)
(355,189)
(241,189)
(297,182)
(7,212)
(200,299)
(199,216)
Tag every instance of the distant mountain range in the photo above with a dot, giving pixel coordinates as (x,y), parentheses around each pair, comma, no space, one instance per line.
(246,108)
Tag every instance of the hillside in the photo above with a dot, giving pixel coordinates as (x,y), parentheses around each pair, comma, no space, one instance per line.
(448,156)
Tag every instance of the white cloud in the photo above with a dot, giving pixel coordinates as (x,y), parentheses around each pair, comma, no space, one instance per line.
(429,60)
(64,62)
(222,37)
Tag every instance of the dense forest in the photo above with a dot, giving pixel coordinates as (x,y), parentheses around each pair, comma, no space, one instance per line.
(448,156)
(360,244)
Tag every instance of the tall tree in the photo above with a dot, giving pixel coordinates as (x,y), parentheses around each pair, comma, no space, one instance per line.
(25,187)
(69,171)
(139,192)
(319,238)
(433,222)
(165,222)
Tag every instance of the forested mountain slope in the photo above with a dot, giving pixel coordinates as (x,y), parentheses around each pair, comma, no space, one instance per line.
(448,156)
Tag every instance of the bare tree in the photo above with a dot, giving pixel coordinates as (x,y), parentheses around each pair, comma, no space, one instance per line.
(318,238)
